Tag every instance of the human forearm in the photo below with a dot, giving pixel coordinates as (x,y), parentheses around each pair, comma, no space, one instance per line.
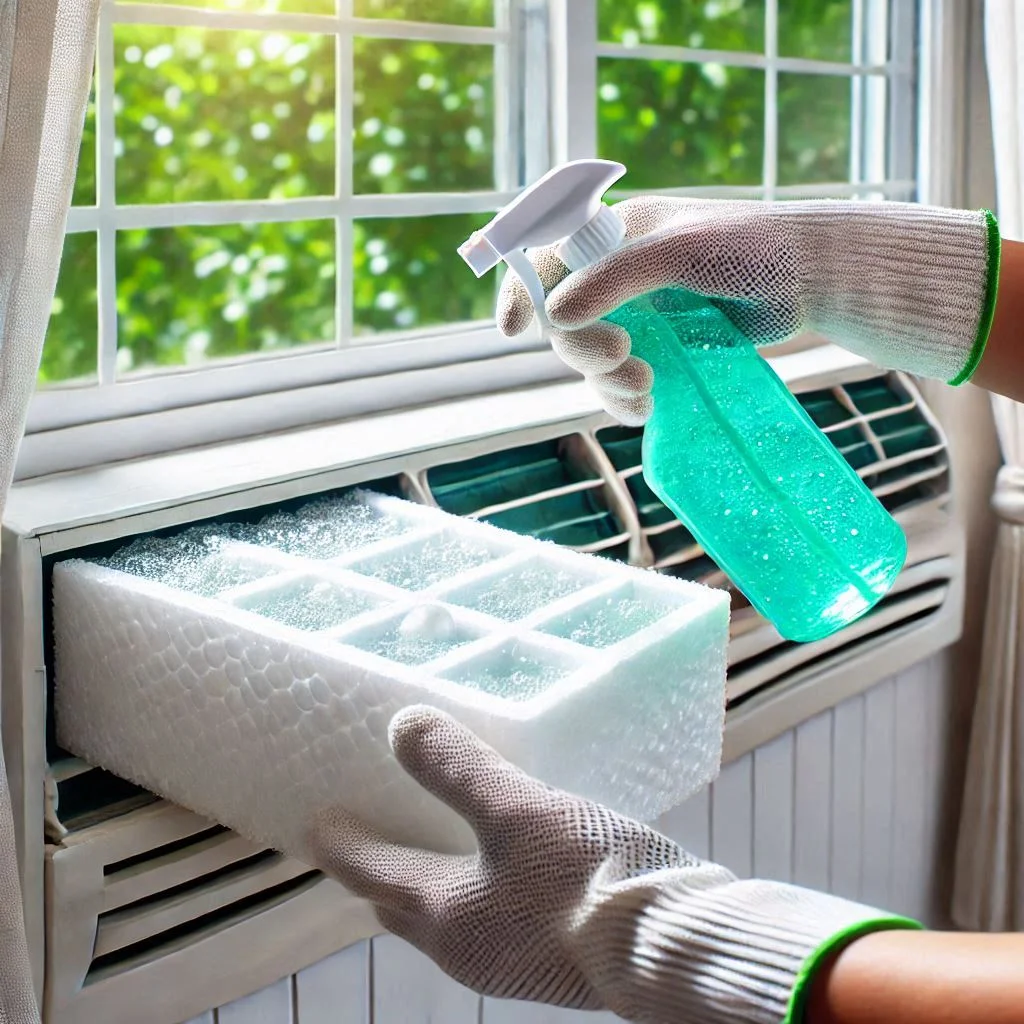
(1002,367)
(912,977)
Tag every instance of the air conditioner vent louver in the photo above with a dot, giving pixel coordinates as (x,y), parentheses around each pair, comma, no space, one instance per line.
(152,882)
(547,491)
(878,425)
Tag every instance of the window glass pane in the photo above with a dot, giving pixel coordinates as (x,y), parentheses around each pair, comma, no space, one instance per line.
(260,6)
(70,350)
(816,29)
(408,274)
(814,128)
(681,124)
(452,12)
(188,295)
(424,116)
(85,177)
(208,115)
(712,24)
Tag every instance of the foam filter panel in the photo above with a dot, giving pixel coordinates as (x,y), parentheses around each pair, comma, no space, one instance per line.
(249,672)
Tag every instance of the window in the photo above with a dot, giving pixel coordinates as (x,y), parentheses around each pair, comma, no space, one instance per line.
(270,192)
(780,99)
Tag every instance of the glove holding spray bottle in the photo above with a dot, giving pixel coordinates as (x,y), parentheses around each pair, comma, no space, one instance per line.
(727,447)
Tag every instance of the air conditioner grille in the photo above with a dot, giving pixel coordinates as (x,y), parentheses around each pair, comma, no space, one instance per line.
(584,490)
(548,491)
(153,946)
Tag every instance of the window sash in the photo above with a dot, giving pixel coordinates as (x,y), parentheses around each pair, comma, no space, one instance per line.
(546,59)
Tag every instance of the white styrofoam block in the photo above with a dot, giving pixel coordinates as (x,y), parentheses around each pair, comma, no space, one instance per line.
(599,678)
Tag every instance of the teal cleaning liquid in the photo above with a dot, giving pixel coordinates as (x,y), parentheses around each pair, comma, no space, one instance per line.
(733,454)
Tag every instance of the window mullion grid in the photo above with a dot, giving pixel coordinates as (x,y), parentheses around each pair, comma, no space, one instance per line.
(535,88)
(769,175)
(900,104)
(573,26)
(874,126)
(106,160)
(507,111)
(344,231)
(857,97)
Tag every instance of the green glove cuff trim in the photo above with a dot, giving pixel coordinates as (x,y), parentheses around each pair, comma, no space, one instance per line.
(988,307)
(802,988)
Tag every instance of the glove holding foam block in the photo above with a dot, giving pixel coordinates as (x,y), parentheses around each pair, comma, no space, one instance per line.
(570,904)
(907,287)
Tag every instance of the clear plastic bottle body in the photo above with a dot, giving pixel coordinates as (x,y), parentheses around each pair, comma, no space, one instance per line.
(737,459)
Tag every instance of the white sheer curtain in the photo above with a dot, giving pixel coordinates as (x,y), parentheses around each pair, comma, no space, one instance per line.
(989,887)
(46,52)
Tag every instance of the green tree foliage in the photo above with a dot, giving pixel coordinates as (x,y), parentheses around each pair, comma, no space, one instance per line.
(210,115)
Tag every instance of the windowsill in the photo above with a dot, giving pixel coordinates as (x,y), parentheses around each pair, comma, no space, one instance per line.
(318,458)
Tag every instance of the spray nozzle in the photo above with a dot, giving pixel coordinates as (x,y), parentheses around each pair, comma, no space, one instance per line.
(563,206)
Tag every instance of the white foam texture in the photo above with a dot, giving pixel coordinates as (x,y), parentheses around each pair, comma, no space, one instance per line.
(602,679)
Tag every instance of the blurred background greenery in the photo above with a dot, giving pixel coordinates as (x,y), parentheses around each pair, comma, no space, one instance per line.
(210,115)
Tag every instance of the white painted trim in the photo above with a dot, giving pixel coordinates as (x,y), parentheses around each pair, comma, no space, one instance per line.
(151,434)
(344,173)
(265,211)
(941,112)
(573,33)
(826,190)
(110,491)
(744,59)
(770,167)
(106,171)
(370,356)
(322,24)
(427,204)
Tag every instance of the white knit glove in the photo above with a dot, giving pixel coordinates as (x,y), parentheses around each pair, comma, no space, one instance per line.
(570,904)
(908,287)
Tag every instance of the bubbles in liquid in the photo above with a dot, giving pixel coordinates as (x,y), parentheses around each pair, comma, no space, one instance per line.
(410,650)
(325,528)
(425,633)
(428,562)
(428,621)
(608,621)
(513,675)
(199,560)
(194,561)
(523,591)
(312,606)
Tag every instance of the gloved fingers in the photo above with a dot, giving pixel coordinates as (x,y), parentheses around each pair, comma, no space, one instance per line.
(625,392)
(643,215)
(652,262)
(514,311)
(597,348)
(450,762)
(733,252)
(630,412)
(633,379)
(392,877)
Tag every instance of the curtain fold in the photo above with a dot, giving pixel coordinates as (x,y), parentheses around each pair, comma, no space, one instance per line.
(46,55)
(988,892)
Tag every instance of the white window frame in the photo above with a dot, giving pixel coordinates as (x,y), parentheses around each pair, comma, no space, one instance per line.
(557,40)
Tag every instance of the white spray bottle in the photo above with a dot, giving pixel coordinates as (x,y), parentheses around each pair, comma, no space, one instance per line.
(727,448)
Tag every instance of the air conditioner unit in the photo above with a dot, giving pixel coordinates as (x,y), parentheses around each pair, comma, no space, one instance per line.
(132,901)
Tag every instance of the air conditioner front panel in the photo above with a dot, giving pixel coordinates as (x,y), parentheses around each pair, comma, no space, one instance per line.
(586,471)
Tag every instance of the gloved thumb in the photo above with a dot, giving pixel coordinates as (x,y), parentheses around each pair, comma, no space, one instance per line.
(457,767)
(515,310)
